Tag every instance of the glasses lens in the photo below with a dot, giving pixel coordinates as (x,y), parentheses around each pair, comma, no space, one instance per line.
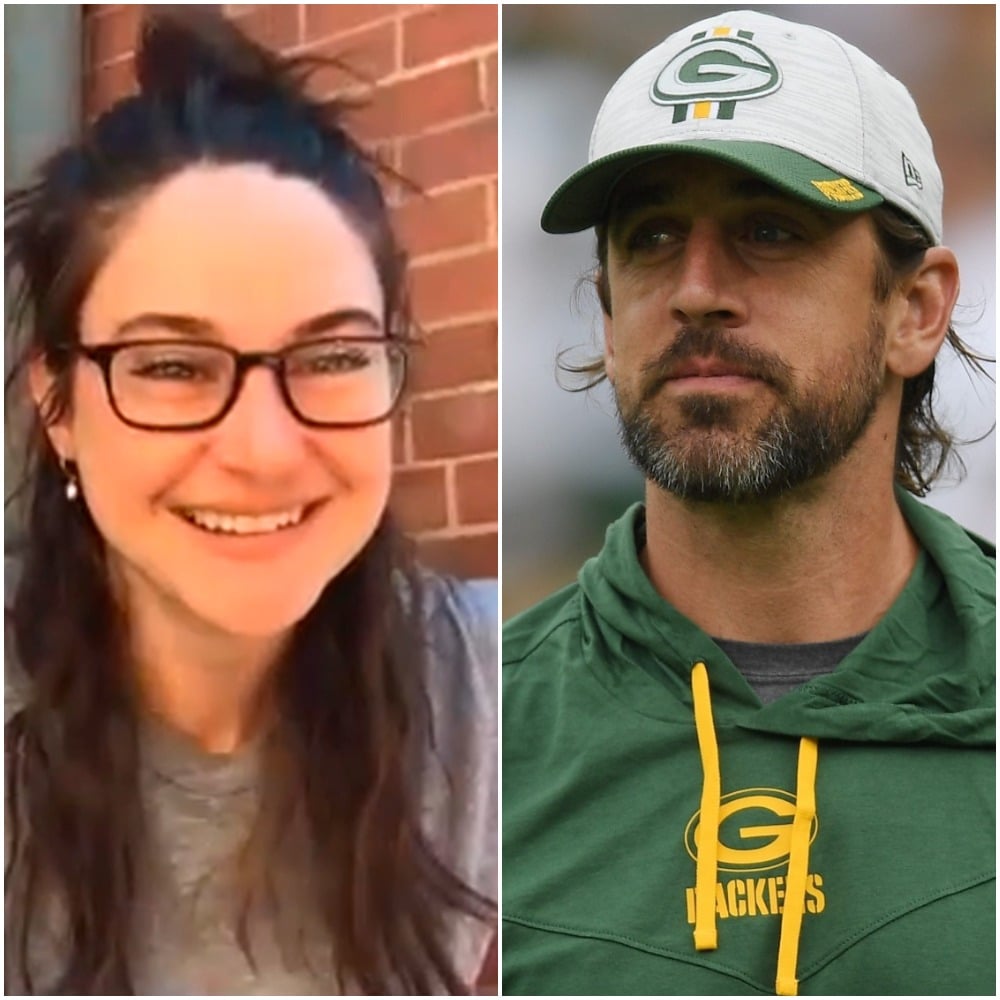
(345,381)
(171,384)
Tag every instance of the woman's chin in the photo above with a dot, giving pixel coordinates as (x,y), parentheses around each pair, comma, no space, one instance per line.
(260,613)
(256,622)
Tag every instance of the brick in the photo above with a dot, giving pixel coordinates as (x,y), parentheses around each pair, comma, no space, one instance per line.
(448,30)
(467,556)
(490,82)
(494,211)
(274,25)
(456,287)
(467,150)
(445,221)
(463,424)
(365,55)
(456,356)
(476,491)
(109,84)
(419,498)
(409,107)
(325,19)
(400,424)
(112,35)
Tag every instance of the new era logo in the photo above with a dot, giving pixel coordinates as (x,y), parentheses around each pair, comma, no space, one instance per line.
(911,175)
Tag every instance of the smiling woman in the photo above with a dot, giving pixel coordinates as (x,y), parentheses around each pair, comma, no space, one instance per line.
(250,746)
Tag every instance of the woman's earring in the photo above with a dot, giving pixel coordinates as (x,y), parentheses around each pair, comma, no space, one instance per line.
(72,479)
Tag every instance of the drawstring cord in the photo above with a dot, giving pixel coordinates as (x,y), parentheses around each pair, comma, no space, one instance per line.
(786,984)
(706,936)
(706,873)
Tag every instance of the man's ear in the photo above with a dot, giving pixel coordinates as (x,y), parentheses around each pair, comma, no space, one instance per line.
(41,385)
(609,347)
(603,290)
(921,318)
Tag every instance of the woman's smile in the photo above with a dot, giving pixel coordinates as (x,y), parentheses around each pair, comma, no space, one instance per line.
(250,536)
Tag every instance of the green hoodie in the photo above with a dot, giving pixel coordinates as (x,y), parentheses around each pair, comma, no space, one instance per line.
(885,887)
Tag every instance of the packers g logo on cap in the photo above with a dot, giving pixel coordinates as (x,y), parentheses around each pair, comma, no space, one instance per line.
(715,68)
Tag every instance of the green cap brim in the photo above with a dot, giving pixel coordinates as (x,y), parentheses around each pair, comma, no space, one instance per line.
(582,201)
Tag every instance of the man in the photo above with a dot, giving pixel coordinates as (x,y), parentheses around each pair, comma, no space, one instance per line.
(751,749)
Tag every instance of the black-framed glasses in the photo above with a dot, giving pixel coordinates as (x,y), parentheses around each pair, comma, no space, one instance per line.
(181,385)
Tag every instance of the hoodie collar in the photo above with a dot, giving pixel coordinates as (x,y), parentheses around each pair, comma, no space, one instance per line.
(923,674)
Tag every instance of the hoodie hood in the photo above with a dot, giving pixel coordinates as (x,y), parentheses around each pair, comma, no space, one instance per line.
(924,674)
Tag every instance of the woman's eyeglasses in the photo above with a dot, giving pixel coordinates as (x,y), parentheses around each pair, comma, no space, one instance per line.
(179,385)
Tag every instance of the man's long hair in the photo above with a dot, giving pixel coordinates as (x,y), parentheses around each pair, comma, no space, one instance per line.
(342,766)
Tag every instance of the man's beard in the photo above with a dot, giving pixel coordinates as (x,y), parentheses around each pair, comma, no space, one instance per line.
(716,455)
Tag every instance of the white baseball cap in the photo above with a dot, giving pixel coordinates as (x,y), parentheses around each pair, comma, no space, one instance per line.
(791,103)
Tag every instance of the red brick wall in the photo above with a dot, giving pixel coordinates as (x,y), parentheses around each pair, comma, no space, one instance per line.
(432,115)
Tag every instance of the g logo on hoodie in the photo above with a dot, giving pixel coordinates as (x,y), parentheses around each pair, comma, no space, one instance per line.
(755,828)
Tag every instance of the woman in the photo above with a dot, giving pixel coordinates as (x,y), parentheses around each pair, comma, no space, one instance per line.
(250,747)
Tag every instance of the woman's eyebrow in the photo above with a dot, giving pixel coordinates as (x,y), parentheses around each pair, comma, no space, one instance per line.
(205,329)
(330,321)
(191,326)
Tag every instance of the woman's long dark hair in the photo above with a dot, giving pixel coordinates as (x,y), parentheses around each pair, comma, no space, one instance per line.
(353,724)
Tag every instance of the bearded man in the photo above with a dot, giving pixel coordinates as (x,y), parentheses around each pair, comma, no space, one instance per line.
(751,749)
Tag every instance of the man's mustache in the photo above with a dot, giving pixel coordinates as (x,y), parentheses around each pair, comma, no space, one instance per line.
(701,342)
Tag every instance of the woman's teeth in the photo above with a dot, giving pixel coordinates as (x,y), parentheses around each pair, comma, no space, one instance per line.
(244,524)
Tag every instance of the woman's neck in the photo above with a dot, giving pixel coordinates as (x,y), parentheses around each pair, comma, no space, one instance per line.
(211,686)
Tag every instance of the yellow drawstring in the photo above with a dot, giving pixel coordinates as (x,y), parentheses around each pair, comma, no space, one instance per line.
(705,934)
(786,984)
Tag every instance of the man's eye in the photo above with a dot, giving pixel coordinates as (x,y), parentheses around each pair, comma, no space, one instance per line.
(649,237)
(770,233)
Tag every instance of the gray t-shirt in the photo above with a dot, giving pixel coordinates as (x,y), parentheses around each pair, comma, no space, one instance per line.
(200,807)
(773,670)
